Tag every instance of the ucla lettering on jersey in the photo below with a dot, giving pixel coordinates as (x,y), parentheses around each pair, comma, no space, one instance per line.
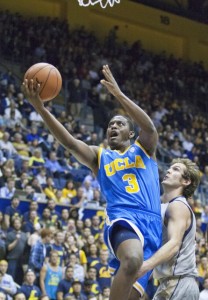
(129,179)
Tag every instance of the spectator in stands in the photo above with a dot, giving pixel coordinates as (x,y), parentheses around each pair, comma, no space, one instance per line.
(85,234)
(41,176)
(79,199)
(204,180)
(76,290)
(63,221)
(76,97)
(65,284)
(79,227)
(90,240)
(92,178)
(71,247)
(39,250)
(198,209)
(92,275)
(12,212)
(88,190)
(53,167)
(46,220)
(28,288)
(35,119)
(3,234)
(202,269)
(71,228)
(92,255)
(35,236)
(24,107)
(7,147)
(106,293)
(55,215)
(33,135)
(36,161)
(50,189)
(36,186)
(59,198)
(50,276)
(3,296)
(19,296)
(2,158)
(204,293)
(87,289)
(9,164)
(88,223)
(69,191)
(7,283)
(28,226)
(21,147)
(58,246)
(23,180)
(95,227)
(204,222)
(16,242)
(33,206)
(104,277)
(93,139)
(9,189)
(176,149)
(79,272)
(12,109)
(24,168)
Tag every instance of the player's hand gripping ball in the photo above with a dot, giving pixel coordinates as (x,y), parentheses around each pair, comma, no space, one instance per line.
(48,77)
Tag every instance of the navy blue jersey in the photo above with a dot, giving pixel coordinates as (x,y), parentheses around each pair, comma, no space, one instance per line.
(32,292)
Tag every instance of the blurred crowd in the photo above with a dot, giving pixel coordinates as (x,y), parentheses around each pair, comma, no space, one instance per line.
(59,253)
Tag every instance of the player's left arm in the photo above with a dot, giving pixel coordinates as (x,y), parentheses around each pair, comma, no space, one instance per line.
(148,136)
(178,222)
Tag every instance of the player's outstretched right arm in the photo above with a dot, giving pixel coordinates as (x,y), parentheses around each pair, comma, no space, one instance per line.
(86,155)
(148,135)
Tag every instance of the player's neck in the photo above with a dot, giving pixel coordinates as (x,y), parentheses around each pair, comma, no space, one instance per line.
(171,194)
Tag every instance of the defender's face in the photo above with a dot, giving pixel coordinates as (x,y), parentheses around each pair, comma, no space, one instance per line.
(117,132)
(174,176)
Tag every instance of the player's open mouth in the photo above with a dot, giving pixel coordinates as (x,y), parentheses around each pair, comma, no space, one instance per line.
(113,134)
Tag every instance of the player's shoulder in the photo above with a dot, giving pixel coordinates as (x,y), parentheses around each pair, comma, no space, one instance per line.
(178,207)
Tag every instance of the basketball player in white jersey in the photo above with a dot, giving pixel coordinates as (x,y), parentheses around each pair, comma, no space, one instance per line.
(174,263)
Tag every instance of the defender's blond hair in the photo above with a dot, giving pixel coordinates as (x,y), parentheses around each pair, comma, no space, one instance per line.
(192,173)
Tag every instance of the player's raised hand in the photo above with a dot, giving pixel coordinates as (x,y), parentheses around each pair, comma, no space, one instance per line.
(31,91)
(109,82)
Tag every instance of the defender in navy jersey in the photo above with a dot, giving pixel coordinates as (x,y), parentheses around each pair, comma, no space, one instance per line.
(175,261)
(128,176)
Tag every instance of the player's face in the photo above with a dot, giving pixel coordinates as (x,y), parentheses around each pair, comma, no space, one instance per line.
(174,176)
(118,132)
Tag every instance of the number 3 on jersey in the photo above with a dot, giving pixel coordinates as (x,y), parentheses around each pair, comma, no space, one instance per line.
(133,186)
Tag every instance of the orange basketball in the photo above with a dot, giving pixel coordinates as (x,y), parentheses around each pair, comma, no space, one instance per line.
(48,77)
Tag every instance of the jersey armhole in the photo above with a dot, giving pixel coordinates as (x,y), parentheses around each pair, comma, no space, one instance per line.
(99,156)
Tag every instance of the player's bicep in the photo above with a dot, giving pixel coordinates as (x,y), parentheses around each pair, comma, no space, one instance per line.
(148,140)
(178,215)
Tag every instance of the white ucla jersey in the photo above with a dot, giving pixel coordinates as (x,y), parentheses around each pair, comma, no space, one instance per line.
(184,261)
